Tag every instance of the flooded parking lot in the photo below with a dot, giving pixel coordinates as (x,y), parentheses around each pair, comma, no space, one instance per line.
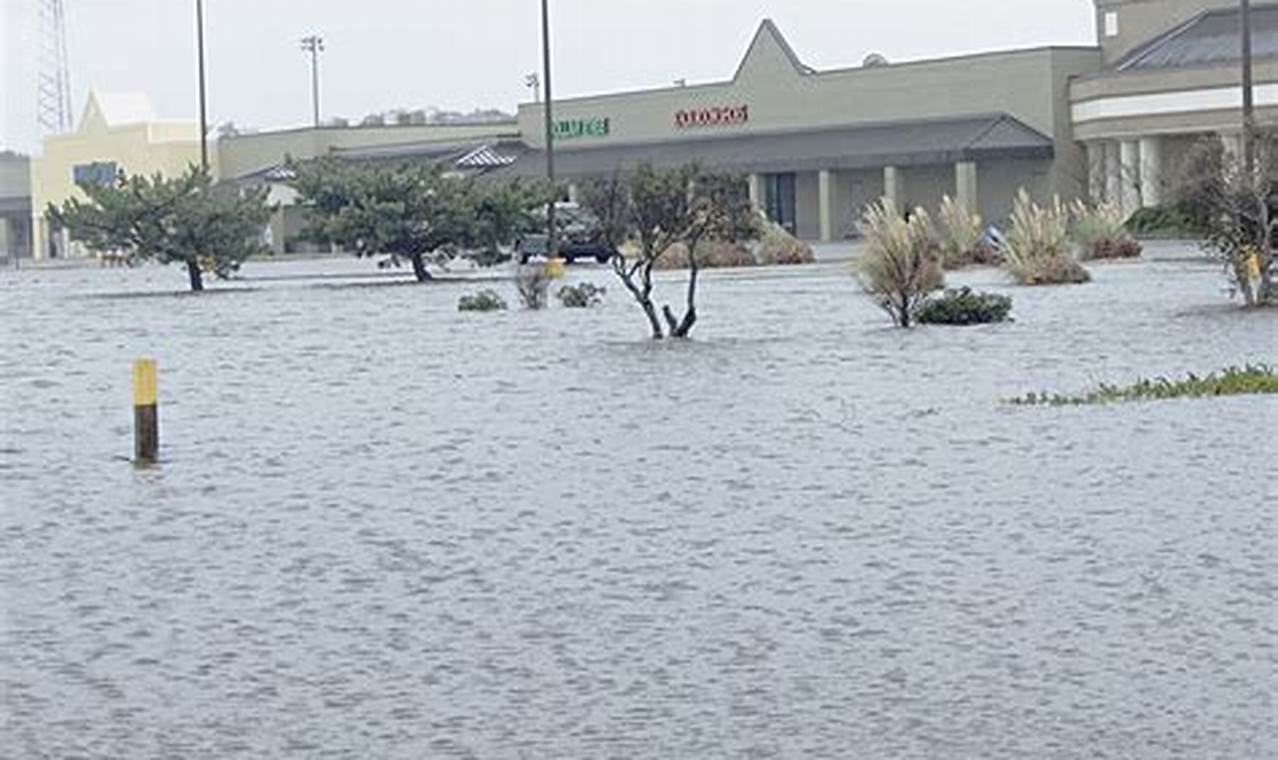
(386,529)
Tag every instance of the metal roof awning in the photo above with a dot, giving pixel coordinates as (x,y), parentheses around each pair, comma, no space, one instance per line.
(473,153)
(1209,38)
(914,143)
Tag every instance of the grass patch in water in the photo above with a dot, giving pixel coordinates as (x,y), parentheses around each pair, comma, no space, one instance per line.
(1233,381)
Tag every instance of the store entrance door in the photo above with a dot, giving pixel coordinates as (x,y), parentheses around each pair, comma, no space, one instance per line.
(778,190)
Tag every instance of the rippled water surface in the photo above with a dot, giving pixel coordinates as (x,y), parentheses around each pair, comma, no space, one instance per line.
(384,529)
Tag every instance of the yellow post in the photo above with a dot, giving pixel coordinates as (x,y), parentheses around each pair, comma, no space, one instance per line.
(146,417)
(1252,266)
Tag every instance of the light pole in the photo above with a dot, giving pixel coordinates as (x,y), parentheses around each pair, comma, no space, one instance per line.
(552,234)
(1248,96)
(204,112)
(533,83)
(314,44)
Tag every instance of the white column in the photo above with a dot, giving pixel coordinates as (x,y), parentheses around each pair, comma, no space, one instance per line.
(756,191)
(1151,172)
(826,182)
(894,186)
(1130,154)
(574,192)
(1113,174)
(966,187)
(1233,143)
(1096,179)
(37,235)
(278,231)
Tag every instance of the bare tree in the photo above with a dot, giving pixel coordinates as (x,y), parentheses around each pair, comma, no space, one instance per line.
(1236,209)
(532,282)
(657,208)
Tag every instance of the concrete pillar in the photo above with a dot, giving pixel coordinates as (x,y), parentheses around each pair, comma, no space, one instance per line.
(574,192)
(966,186)
(894,186)
(1151,172)
(1233,143)
(276,231)
(756,191)
(825,180)
(1113,174)
(1096,179)
(1130,159)
(37,236)
(7,248)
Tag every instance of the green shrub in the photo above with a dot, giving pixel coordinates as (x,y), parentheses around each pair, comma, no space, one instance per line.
(902,262)
(779,248)
(484,300)
(1160,220)
(1036,251)
(964,307)
(1233,381)
(581,296)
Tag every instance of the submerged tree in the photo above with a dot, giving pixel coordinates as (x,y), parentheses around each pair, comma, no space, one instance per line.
(659,208)
(187,220)
(411,211)
(1236,209)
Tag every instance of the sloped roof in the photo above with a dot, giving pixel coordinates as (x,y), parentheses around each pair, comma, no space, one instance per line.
(1210,38)
(912,143)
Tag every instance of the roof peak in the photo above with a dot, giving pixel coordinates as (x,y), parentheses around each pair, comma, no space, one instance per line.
(769,42)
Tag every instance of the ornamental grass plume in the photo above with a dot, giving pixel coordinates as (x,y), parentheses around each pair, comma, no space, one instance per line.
(961,233)
(1036,251)
(1100,232)
(902,262)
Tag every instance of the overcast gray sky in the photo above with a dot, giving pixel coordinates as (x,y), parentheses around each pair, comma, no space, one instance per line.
(463,54)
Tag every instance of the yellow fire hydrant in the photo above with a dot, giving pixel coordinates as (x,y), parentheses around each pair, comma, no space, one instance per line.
(555,267)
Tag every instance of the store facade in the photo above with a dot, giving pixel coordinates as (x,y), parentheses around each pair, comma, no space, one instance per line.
(817,147)
(1111,122)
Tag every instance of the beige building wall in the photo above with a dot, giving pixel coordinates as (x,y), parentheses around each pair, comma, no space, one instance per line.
(168,148)
(782,94)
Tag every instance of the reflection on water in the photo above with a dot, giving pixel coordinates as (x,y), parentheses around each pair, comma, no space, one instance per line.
(386,529)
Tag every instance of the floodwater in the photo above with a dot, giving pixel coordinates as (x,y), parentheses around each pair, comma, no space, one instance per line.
(384,529)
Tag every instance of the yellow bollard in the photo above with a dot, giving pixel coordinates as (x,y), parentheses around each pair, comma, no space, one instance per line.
(555,268)
(146,413)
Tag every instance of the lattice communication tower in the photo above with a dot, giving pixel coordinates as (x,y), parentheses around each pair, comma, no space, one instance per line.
(53,87)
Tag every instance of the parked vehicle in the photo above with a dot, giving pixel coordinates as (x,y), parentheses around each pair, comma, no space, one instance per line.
(579,238)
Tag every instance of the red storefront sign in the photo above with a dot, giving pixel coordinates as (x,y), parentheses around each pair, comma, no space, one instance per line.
(718,116)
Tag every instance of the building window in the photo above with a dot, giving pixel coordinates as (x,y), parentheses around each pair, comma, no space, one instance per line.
(1111,24)
(779,200)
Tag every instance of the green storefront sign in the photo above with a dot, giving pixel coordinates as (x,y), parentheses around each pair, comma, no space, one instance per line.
(569,129)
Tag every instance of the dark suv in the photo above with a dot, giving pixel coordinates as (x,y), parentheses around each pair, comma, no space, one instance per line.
(579,238)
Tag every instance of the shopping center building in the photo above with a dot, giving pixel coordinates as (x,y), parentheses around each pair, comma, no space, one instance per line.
(1111,122)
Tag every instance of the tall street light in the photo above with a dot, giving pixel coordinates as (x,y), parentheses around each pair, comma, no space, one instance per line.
(552,234)
(204,112)
(314,44)
(1248,96)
